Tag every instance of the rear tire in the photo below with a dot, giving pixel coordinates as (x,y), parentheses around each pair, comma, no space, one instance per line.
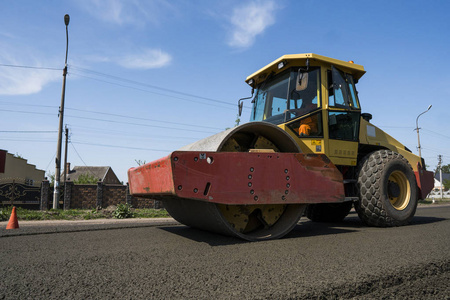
(328,212)
(387,190)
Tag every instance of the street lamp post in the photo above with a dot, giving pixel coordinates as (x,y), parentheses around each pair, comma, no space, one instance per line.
(417,128)
(61,117)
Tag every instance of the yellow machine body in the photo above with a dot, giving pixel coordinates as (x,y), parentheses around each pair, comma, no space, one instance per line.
(340,152)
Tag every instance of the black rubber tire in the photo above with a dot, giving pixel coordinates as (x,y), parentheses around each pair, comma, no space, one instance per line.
(328,212)
(376,174)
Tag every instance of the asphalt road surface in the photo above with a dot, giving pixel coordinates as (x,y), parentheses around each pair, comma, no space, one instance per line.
(168,261)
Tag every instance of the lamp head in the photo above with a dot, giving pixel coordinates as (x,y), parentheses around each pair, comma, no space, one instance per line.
(429,107)
(66,19)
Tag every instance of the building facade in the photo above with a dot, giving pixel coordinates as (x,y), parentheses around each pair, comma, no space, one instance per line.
(18,170)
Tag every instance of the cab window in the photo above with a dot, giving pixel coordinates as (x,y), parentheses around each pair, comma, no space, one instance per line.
(341,90)
(287,96)
(343,125)
(309,126)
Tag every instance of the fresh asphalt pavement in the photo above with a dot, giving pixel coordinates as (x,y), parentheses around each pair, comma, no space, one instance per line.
(160,259)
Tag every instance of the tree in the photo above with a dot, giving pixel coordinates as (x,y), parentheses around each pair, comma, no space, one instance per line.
(140,162)
(446,169)
(446,184)
(51,178)
(86,179)
(238,120)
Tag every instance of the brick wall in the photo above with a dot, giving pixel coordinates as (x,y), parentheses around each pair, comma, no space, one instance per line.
(138,202)
(90,196)
(114,194)
(83,196)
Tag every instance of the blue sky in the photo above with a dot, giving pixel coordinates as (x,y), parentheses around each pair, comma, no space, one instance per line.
(148,77)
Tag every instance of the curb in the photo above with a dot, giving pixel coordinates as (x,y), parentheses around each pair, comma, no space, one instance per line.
(63,226)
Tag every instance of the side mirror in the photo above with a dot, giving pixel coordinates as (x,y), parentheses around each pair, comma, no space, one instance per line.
(302,81)
(240,105)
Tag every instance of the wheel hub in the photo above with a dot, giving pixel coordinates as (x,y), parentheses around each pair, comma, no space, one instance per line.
(393,189)
(399,190)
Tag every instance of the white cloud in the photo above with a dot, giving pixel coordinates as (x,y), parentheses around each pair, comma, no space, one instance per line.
(146,59)
(249,21)
(110,11)
(18,81)
(128,12)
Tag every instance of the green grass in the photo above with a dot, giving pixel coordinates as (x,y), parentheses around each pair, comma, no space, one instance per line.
(76,214)
(436,201)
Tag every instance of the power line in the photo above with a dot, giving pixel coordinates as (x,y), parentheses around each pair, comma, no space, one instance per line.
(77,153)
(396,127)
(440,134)
(92,173)
(27,112)
(103,113)
(108,121)
(139,118)
(121,79)
(28,140)
(127,134)
(27,104)
(28,131)
(137,124)
(52,160)
(151,92)
(121,147)
(150,86)
(29,67)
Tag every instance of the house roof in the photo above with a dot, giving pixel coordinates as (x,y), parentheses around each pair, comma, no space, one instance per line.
(445,176)
(97,172)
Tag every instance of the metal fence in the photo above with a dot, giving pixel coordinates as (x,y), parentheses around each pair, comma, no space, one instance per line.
(20,194)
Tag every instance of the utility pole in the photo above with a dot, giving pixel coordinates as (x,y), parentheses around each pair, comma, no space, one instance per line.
(440,173)
(66,170)
(61,117)
(65,156)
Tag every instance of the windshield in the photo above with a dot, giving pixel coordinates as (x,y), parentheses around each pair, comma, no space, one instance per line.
(287,96)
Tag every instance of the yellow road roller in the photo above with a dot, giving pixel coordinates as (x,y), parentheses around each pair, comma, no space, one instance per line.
(307,150)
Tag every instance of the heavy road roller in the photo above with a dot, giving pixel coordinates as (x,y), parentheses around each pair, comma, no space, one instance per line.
(308,150)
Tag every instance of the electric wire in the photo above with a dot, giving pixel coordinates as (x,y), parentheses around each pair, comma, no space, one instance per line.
(28,131)
(121,147)
(129,81)
(54,155)
(440,134)
(28,112)
(139,118)
(78,154)
(27,140)
(128,134)
(30,67)
(149,85)
(109,121)
(151,92)
(106,114)
(138,124)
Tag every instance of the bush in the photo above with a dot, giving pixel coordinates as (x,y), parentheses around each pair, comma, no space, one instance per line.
(4,214)
(123,211)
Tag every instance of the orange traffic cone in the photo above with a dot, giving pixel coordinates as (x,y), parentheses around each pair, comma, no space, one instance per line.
(13,223)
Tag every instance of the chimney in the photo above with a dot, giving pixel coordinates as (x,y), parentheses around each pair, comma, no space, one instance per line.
(67,168)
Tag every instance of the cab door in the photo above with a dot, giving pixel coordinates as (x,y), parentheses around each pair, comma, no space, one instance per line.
(343,116)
